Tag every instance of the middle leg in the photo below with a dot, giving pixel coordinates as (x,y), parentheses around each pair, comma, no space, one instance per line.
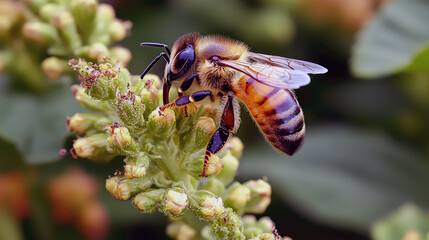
(220,137)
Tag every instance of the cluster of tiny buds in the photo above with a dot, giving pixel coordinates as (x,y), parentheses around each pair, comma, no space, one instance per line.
(163,154)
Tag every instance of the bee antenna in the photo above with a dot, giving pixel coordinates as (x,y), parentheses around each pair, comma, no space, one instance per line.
(157,45)
(155,60)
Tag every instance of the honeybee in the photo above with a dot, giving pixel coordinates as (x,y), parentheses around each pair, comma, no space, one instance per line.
(225,69)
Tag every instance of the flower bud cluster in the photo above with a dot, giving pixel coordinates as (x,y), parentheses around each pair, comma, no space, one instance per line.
(164,153)
(42,35)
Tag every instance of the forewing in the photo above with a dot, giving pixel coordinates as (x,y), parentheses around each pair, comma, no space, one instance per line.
(278,77)
(289,63)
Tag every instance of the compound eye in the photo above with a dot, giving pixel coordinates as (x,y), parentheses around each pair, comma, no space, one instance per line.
(184,60)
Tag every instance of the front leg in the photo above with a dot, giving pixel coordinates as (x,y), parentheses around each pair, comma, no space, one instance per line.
(186,84)
(185,100)
(219,138)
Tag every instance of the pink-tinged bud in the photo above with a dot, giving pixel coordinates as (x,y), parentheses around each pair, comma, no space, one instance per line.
(70,192)
(39,33)
(65,24)
(123,55)
(180,230)
(175,202)
(119,189)
(54,67)
(98,51)
(14,194)
(50,10)
(93,221)
(260,196)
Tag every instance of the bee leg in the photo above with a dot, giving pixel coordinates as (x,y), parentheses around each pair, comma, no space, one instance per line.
(185,100)
(219,138)
(186,84)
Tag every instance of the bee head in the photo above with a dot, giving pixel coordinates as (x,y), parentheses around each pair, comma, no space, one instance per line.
(182,57)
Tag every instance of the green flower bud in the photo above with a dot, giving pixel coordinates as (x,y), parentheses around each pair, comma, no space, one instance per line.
(120,190)
(117,30)
(236,196)
(123,55)
(54,67)
(132,171)
(180,230)
(84,14)
(260,196)
(148,201)
(130,108)
(234,146)
(266,224)
(50,10)
(150,98)
(85,100)
(120,140)
(98,51)
(209,206)
(93,147)
(204,130)
(228,225)
(161,124)
(123,189)
(248,220)
(136,167)
(40,33)
(65,24)
(214,185)
(214,166)
(10,13)
(267,236)
(230,166)
(82,122)
(100,81)
(103,17)
(174,203)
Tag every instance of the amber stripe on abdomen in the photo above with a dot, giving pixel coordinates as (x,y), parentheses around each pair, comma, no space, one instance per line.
(277,113)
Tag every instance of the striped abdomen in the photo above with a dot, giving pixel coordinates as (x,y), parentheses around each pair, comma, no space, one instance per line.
(276,111)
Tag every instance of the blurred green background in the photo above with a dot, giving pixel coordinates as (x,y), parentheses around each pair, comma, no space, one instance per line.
(366,152)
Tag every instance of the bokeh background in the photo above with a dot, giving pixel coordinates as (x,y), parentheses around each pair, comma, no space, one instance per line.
(363,172)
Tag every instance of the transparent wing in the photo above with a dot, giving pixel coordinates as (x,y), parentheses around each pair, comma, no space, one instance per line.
(289,63)
(278,77)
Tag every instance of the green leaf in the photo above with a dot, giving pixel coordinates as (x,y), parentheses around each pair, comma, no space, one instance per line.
(408,219)
(395,40)
(344,177)
(36,124)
